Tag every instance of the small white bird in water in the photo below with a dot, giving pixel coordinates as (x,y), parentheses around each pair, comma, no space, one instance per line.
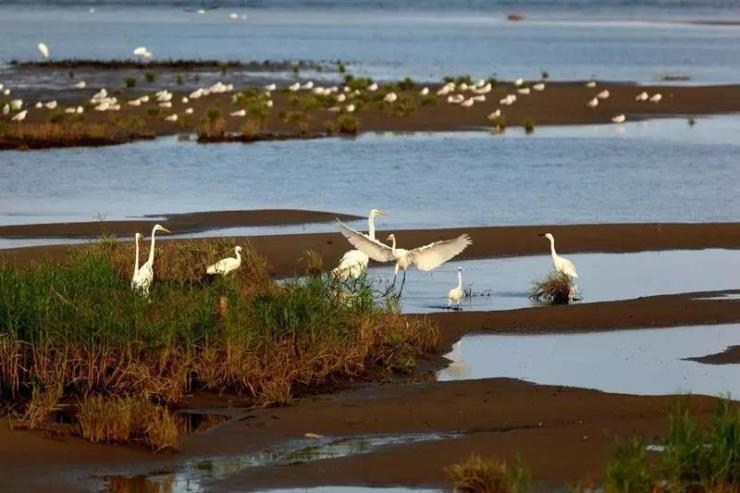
(43,49)
(593,103)
(643,96)
(20,116)
(233,15)
(655,98)
(619,118)
(227,265)
(561,264)
(456,293)
(143,280)
(603,94)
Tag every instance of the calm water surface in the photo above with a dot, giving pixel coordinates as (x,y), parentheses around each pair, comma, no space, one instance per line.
(611,42)
(645,361)
(658,170)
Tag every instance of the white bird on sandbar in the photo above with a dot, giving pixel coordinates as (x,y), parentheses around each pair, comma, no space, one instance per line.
(43,49)
(561,264)
(603,94)
(20,116)
(227,265)
(143,279)
(593,103)
(495,114)
(137,236)
(643,96)
(354,262)
(540,86)
(456,294)
(655,98)
(425,258)
(591,84)
(619,118)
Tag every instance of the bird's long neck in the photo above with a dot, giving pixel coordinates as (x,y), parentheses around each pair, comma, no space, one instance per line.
(151,247)
(552,248)
(393,245)
(371,226)
(136,260)
(459,280)
(238,256)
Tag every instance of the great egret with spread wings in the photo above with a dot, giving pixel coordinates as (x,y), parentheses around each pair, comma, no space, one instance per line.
(425,258)
(354,262)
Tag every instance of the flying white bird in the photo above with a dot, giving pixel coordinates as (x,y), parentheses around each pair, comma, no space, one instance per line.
(655,98)
(140,51)
(43,49)
(425,258)
(354,262)
(643,96)
(143,280)
(561,264)
(456,293)
(20,116)
(619,118)
(227,265)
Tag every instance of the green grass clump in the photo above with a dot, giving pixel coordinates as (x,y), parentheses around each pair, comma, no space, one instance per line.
(150,76)
(483,475)
(129,82)
(628,470)
(555,289)
(348,124)
(77,329)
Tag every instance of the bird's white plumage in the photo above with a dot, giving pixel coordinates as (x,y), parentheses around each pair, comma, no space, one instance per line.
(43,49)
(143,279)
(456,294)
(227,265)
(561,264)
(425,258)
(354,262)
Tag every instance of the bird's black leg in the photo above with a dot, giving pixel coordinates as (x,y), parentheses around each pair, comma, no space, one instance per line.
(403,281)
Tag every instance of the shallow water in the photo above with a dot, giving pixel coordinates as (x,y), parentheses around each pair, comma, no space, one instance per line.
(657,170)
(421,41)
(195,475)
(351,489)
(644,361)
(504,283)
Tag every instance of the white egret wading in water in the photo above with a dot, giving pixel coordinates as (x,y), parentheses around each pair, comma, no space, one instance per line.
(425,258)
(562,264)
(456,293)
(354,262)
(143,279)
(227,265)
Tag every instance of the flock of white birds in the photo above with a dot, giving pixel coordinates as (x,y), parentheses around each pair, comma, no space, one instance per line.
(425,258)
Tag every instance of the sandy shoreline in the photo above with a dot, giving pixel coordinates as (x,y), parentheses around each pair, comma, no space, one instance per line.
(561,103)
(283,251)
(191,222)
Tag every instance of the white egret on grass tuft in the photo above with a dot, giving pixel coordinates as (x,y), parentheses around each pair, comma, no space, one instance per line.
(456,293)
(354,262)
(561,264)
(137,236)
(425,258)
(227,265)
(143,279)
(43,49)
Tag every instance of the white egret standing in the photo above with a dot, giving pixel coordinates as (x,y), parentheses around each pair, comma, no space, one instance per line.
(227,265)
(561,264)
(425,258)
(43,49)
(354,262)
(19,117)
(145,276)
(136,259)
(456,293)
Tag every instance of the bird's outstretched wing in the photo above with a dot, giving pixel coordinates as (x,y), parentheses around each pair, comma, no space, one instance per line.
(435,254)
(374,249)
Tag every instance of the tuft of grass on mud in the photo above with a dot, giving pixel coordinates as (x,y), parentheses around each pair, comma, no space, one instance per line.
(73,330)
(477,474)
(695,457)
(63,133)
(555,289)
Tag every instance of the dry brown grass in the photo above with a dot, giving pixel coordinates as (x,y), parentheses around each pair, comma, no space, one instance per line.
(555,289)
(66,134)
(128,419)
(487,475)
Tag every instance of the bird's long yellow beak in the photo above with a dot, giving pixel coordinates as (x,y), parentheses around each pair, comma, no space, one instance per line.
(381,212)
(166,230)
